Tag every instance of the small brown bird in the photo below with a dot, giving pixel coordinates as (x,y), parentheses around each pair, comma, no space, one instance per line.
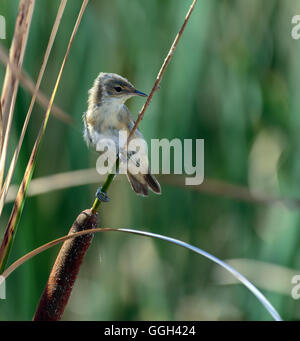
(106,116)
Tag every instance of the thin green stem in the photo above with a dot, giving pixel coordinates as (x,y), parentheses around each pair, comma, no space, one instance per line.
(105,187)
(14,219)
(161,72)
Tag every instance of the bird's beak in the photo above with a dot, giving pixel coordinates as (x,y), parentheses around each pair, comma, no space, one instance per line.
(139,93)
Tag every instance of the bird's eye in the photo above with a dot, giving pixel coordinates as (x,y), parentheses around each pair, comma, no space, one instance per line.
(118,88)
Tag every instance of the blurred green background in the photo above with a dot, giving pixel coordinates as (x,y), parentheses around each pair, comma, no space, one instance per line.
(233,82)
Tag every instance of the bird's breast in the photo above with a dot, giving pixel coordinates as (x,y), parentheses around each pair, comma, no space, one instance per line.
(103,115)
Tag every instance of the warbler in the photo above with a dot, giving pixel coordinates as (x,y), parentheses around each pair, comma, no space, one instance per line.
(106,116)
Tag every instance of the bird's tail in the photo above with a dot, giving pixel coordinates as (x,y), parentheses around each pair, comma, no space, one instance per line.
(141,182)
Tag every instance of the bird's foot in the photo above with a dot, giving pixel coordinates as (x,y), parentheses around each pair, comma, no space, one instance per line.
(102,196)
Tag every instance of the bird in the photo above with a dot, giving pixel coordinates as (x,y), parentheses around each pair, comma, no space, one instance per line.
(106,116)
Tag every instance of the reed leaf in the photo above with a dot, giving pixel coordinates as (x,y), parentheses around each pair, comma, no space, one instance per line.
(238,276)
(11,83)
(210,186)
(25,125)
(21,196)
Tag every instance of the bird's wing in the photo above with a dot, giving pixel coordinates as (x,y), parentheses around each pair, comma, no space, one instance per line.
(131,122)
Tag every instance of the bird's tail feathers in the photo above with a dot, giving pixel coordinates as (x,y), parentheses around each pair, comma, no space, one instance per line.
(141,182)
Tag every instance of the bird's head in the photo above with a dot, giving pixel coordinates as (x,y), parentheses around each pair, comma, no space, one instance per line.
(110,86)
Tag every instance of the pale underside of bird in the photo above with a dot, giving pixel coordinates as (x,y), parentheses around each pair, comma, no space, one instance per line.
(107,116)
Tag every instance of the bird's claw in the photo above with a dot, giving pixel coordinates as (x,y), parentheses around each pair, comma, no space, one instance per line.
(102,196)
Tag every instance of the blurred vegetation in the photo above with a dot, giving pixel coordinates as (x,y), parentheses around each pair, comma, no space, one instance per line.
(233,82)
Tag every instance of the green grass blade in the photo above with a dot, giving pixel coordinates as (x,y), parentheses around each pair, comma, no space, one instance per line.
(21,196)
(242,279)
(25,125)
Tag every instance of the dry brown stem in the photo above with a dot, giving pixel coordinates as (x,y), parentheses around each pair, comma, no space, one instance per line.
(11,83)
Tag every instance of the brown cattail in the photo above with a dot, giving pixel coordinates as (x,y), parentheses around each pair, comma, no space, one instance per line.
(65,269)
